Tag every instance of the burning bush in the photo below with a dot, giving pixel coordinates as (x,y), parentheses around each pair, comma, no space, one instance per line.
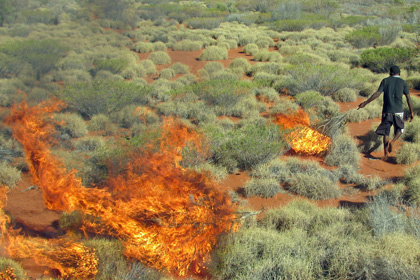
(165,216)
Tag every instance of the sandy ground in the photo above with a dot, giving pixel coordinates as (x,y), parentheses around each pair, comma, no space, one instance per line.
(25,204)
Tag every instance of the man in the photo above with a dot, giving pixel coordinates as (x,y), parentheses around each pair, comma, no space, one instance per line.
(393,88)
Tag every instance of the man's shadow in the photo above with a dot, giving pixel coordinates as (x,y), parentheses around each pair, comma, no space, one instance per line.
(370,142)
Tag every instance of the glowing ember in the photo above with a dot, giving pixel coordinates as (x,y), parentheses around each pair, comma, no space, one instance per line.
(302,138)
(165,215)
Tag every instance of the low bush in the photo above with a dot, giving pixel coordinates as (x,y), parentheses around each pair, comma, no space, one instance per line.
(381,59)
(345,95)
(89,143)
(262,55)
(246,146)
(314,187)
(217,173)
(9,175)
(104,97)
(71,124)
(180,68)
(148,66)
(187,45)
(302,241)
(408,153)
(365,37)
(312,101)
(251,49)
(212,53)
(412,131)
(102,122)
(167,74)
(324,78)
(266,93)
(112,264)
(143,47)
(342,151)
(115,66)
(412,181)
(264,187)
(160,58)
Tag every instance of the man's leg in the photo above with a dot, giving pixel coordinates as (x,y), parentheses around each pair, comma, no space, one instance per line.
(396,136)
(386,146)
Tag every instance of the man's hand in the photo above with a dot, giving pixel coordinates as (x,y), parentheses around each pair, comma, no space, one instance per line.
(411,117)
(362,105)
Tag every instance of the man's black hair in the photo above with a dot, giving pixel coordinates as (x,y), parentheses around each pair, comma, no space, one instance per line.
(394,70)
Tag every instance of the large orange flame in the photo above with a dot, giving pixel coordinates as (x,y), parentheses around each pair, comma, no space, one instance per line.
(166,216)
(302,138)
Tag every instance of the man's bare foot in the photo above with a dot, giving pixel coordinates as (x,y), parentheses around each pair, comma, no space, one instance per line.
(384,158)
(390,147)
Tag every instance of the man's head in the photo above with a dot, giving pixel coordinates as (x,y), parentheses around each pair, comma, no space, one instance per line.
(394,70)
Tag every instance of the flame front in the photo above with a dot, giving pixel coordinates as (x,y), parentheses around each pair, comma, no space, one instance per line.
(302,138)
(165,215)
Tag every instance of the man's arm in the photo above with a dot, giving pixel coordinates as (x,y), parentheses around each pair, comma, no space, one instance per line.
(373,97)
(410,107)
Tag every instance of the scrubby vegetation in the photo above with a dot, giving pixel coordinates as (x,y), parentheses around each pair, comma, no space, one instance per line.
(118,67)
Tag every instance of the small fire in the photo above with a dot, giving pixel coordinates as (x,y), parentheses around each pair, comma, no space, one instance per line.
(302,138)
(165,215)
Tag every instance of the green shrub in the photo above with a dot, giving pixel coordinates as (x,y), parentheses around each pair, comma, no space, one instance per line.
(160,58)
(245,147)
(187,45)
(115,66)
(112,264)
(204,22)
(381,59)
(408,153)
(217,173)
(268,67)
(180,68)
(323,106)
(148,66)
(89,143)
(104,97)
(11,269)
(371,183)
(284,105)
(102,122)
(265,187)
(267,93)
(345,95)
(251,49)
(143,47)
(342,151)
(196,110)
(412,180)
(326,79)
(300,241)
(241,63)
(313,186)
(214,53)
(9,175)
(412,131)
(167,74)
(42,55)
(263,55)
(71,124)
(365,37)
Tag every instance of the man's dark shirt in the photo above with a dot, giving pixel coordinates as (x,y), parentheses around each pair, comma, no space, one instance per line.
(393,88)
